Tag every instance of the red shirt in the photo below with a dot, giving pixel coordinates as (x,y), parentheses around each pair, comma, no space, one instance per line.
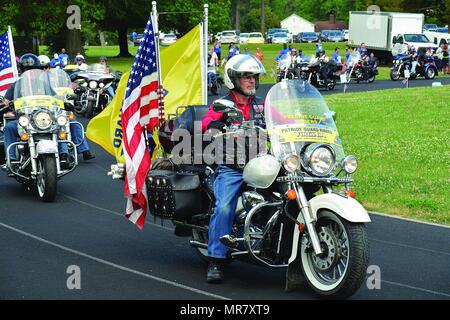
(212,115)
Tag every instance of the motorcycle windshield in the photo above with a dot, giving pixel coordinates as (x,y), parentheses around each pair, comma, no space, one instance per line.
(296,116)
(59,78)
(96,67)
(33,83)
(284,62)
(354,58)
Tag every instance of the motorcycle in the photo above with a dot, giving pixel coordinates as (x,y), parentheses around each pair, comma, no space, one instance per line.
(92,89)
(314,73)
(403,62)
(285,68)
(215,81)
(361,70)
(43,125)
(282,219)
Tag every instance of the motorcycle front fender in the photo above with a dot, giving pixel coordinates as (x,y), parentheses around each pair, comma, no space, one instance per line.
(46,147)
(347,208)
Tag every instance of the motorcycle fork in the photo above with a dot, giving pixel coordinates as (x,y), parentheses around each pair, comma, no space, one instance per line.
(308,217)
(33,155)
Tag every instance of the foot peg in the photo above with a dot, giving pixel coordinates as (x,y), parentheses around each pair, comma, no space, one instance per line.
(230,241)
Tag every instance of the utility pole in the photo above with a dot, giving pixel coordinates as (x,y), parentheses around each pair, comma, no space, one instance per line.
(238,16)
(262,17)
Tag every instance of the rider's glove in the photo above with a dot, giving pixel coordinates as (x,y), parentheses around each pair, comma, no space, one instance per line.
(219,125)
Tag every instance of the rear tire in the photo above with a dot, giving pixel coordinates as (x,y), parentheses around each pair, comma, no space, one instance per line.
(371,79)
(430,73)
(46,181)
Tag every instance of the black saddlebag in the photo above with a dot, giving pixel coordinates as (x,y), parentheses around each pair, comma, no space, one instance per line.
(175,195)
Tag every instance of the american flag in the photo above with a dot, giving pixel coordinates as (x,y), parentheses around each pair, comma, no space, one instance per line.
(8,67)
(140,107)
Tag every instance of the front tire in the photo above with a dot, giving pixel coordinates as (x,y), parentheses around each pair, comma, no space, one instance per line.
(395,75)
(46,181)
(430,73)
(90,109)
(339,272)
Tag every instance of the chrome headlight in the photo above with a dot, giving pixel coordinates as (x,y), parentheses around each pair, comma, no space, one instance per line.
(101,85)
(93,84)
(42,120)
(349,164)
(291,163)
(319,159)
(24,121)
(61,120)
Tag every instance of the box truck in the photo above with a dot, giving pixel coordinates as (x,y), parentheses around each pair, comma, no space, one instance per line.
(387,33)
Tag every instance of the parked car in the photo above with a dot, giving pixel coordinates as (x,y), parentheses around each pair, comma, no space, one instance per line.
(218,35)
(442,30)
(430,27)
(307,37)
(168,39)
(280,37)
(335,36)
(255,37)
(272,31)
(229,36)
(324,34)
(346,33)
(243,37)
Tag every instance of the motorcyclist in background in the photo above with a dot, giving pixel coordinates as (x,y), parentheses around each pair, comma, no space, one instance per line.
(104,61)
(414,58)
(242,79)
(80,62)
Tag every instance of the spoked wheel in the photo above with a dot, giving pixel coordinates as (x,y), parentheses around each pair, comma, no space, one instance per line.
(430,74)
(340,270)
(46,179)
(371,79)
(331,85)
(395,75)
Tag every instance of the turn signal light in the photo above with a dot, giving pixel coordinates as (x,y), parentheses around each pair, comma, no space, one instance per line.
(350,193)
(71,116)
(301,228)
(62,135)
(24,136)
(291,194)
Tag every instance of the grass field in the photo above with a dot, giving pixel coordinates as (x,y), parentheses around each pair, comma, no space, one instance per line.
(270,51)
(401,139)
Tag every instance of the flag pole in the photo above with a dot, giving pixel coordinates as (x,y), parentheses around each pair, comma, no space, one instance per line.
(13,53)
(161,115)
(205,55)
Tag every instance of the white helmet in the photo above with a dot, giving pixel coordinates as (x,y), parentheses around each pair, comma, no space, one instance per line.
(242,65)
(44,60)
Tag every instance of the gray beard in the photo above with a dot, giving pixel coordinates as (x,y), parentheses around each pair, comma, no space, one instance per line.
(249,92)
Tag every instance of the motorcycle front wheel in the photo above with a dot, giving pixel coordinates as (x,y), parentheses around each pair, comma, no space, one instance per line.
(90,109)
(395,75)
(340,270)
(46,178)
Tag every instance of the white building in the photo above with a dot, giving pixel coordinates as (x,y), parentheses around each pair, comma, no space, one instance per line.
(296,24)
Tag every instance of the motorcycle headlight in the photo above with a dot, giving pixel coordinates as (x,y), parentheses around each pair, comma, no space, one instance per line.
(24,121)
(319,159)
(291,163)
(101,85)
(61,120)
(349,164)
(42,120)
(84,84)
(93,84)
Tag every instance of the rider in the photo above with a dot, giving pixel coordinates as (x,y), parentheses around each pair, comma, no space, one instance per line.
(413,53)
(242,79)
(80,62)
(104,62)
(27,62)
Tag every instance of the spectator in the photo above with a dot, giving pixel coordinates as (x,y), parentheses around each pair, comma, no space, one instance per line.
(283,52)
(362,49)
(237,50)
(336,55)
(445,63)
(55,63)
(231,51)
(440,57)
(64,58)
(259,55)
(217,49)
(319,48)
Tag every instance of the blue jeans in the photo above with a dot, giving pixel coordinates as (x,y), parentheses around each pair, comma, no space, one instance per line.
(76,134)
(227,186)
(11,135)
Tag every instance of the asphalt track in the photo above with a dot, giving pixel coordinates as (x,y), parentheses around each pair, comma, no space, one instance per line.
(85,227)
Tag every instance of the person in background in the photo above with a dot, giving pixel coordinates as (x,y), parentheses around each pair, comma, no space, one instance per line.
(246,51)
(64,58)
(319,48)
(445,58)
(237,50)
(231,51)
(218,49)
(55,63)
(259,55)
(336,55)
(75,59)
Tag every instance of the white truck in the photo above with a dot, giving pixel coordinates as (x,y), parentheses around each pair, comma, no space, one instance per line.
(387,33)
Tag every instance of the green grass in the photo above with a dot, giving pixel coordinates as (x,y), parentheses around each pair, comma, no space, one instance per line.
(401,139)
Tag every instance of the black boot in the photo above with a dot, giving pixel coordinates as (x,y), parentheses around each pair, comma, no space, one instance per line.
(215,273)
(87,155)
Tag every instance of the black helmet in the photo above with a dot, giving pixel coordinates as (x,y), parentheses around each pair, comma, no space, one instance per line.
(29,61)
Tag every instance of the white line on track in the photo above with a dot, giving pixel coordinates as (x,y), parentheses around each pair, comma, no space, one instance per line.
(416,288)
(111,264)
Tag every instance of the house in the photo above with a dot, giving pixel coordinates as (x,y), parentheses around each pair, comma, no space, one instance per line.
(331,24)
(296,24)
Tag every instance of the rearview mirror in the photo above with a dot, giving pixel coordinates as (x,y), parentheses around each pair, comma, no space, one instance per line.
(222,105)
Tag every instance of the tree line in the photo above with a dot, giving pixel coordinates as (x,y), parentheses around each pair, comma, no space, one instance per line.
(117,18)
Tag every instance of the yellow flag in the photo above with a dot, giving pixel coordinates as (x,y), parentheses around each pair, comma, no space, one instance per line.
(182,72)
(106,128)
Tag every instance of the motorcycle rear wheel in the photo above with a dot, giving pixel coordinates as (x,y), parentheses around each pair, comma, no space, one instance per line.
(46,181)
(371,79)
(339,272)
(430,73)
